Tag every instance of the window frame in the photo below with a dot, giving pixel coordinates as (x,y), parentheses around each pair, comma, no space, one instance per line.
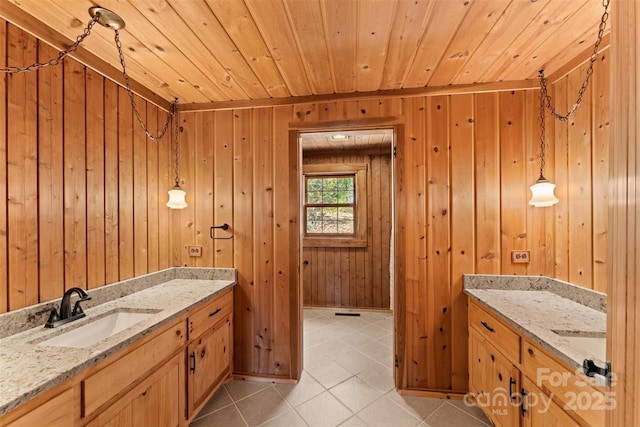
(359,172)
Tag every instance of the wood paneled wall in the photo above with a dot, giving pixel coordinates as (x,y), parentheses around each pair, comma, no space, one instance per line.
(83,202)
(465,165)
(354,277)
(83,191)
(623,316)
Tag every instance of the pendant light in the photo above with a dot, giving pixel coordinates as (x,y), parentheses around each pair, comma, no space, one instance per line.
(542,192)
(176,194)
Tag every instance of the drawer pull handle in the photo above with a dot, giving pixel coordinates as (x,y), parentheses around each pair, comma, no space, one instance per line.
(215,312)
(524,401)
(193,361)
(512,382)
(489,328)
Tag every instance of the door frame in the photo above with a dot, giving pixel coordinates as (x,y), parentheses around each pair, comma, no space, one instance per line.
(295,129)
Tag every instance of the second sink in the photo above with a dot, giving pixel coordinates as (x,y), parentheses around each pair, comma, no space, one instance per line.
(96,330)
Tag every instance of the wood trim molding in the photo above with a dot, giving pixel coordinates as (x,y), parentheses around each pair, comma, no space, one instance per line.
(21,19)
(396,93)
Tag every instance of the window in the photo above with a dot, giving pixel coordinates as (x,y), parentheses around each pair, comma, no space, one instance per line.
(335,205)
(331,204)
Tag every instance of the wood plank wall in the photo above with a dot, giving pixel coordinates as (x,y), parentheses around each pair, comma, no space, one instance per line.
(464,168)
(623,316)
(83,201)
(83,193)
(354,277)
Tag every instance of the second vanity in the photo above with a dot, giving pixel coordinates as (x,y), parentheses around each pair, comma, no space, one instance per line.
(528,338)
(170,350)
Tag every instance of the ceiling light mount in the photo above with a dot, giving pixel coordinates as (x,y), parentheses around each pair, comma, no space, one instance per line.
(107,18)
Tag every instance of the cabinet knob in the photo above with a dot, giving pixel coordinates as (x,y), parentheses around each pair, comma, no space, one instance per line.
(305,262)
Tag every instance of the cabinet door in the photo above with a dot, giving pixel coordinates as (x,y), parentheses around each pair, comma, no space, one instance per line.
(495,381)
(209,363)
(58,411)
(155,402)
(539,410)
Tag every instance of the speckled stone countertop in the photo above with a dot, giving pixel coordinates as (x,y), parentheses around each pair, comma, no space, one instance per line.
(538,306)
(29,369)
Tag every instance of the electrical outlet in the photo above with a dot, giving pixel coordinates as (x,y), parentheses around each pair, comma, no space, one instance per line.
(520,257)
(195,250)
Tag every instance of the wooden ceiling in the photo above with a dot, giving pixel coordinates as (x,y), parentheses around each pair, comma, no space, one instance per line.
(208,51)
(378,139)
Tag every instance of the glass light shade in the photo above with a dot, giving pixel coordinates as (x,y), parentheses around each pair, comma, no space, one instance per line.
(542,194)
(177,198)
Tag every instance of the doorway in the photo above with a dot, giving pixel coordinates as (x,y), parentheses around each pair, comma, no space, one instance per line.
(347,219)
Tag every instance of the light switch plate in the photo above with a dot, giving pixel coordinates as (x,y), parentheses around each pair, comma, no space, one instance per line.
(195,250)
(520,257)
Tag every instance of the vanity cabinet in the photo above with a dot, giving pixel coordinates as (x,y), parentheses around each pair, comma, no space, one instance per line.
(130,368)
(57,410)
(494,378)
(209,352)
(516,382)
(160,379)
(494,381)
(153,402)
(539,409)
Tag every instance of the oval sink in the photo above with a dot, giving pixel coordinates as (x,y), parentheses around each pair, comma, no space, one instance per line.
(96,330)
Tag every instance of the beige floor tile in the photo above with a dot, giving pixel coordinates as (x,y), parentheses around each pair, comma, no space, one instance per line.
(329,373)
(354,421)
(262,406)
(227,417)
(355,362)
(337,357)
(385,413)
(313,356)
(299,393)
(240,389)
(333,348)
(288,419)
(386,340)
(419,407)
(379,352)
(323,410)
(219,400)
(380,377)
(355,394)
(474,411)
(352,338)
(372,331)
(450,416)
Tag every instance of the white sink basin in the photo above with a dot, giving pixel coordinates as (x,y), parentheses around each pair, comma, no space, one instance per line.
(98,329)
(590,342)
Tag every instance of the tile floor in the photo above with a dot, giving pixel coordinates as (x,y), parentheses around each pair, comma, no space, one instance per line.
(347,381)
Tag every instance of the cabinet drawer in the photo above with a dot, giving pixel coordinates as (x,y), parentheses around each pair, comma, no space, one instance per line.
(570,389)
(129,368)
(214,311)
(494,331)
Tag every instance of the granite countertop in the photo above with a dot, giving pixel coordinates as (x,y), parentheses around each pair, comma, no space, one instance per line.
(29,369)
(568,320)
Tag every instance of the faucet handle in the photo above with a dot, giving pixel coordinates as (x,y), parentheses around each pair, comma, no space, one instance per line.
(53,317)
(77,310)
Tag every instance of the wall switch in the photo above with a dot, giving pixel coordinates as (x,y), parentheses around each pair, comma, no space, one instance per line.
(520,257)
(195,250)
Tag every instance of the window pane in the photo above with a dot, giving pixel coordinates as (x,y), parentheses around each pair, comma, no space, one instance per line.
(314,220)
(330,190)
(345,221)
(314,184)
(314,197)
(330,220)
